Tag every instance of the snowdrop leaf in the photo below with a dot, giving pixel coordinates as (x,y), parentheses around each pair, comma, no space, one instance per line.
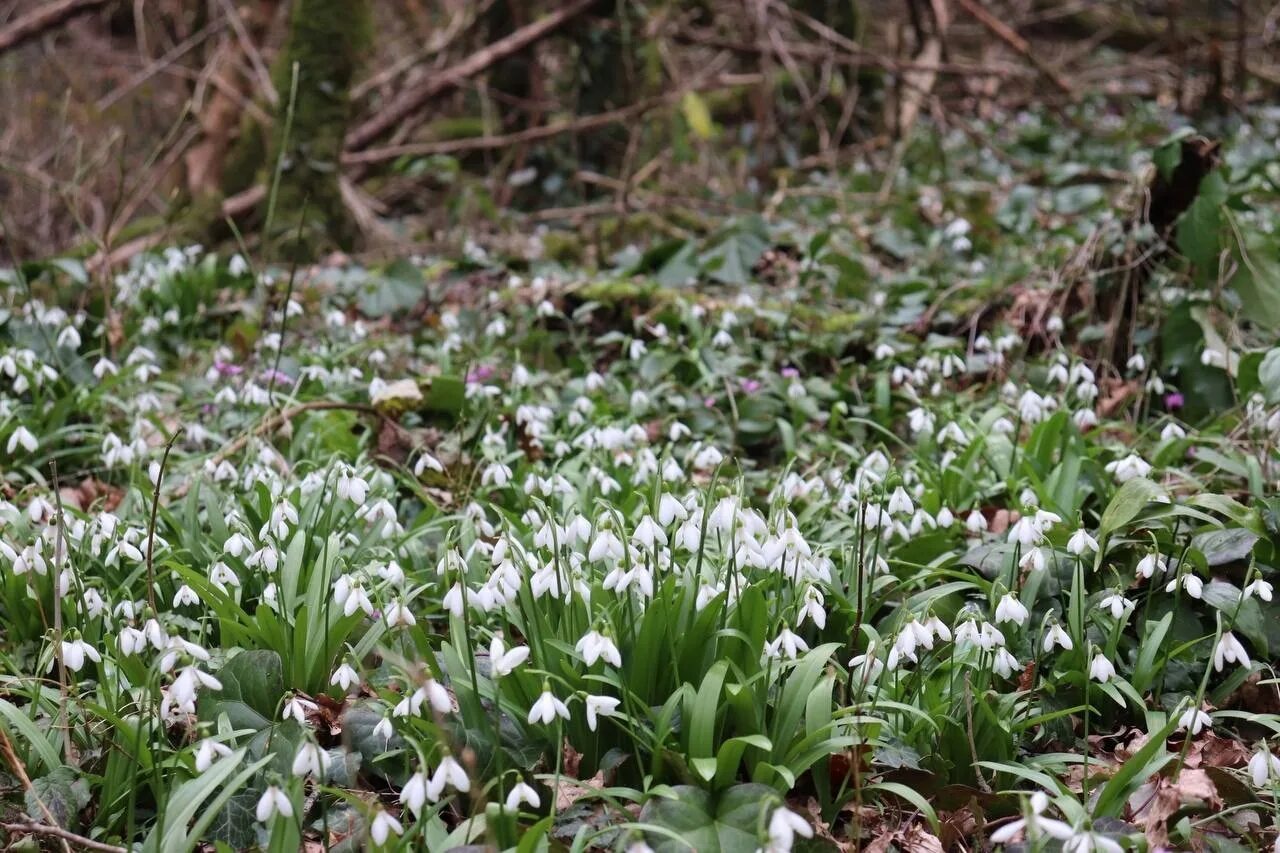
(1128,503)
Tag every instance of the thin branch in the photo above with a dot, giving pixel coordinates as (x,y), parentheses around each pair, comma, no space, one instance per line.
(63,835)
(412,99)
(45,18)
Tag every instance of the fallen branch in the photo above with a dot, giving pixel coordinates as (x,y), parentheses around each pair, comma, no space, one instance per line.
(411,100)
(533,134)
(1005,33)
(43,19)
(61,834)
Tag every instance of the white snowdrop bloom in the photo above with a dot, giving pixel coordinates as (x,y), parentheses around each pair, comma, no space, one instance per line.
(297,708)
(1004,663)
(883,351)
(1213,358)
(352,487)
(435,695)
(1230,650)
(1128,468)
(1189,582)
(399,615)
(670,510)
(1101,669)
(1002,426)
(920,421)
(1054,325)
(344,677)
(784,826)
(547,707)
(1264,767)
(1026,532)
(594,646)
(1009,609)
(786,644)
(1045,520)
(311,760)
(600,706)
(1194,720)
(1031,407)
(496,474)
(812,607)
(521,794)
(952,433)
(74,653)
(22,437)
(975,522)
(722,339)
(1084,419)
(273,802)
(427,462)
(1136,363)
(448,772)
(1172,432)
(208,752)
(648,533)
(1117,604)
(413,796)
(900,502)
(1056,636)
(1081,543)
(503,661)
(103,368)
(384,826)
(1058,374)
(1150,565)
(707,458)
(1033,825)
(1260,589)
(185,596)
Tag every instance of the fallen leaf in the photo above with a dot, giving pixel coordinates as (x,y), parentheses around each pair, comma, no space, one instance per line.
(917,839)
(568,791)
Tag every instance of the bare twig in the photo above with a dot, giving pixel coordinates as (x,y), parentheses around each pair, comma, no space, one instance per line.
(15,764)
(62,835)
(1005,33)
(410,101)
(42,19)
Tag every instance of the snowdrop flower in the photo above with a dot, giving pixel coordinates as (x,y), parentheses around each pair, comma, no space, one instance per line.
(1128,468)
(1026,532)
(600,706)
(1259,588)
(1136,363)
(352,487)
(1081,543)
(383,826)
(1229,650)
(1101,669)
(593,646)
(503,662)
(496,474)
(297,708)
(103,368)
(1151,565)
(1172,432)
(1117,604)
(208,752)
(784,826)
(398,614)
(786,643)
(547,708)
(344,677)
(185,595)
(1056,636)
(900,502)
(1034,824)
(413,796)
(1004,663)
(1009,609)
(22,436)
(272,802)
(449,772)
(1191,583)
(520,794)
(1084,419)
(1264,767)
(1194,720)
(75,652)
(311,760)
(975,522)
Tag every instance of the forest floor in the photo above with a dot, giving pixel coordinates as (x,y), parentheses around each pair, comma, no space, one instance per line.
(929,511)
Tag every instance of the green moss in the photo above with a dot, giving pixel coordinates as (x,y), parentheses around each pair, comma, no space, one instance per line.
(327,41)
(562,247)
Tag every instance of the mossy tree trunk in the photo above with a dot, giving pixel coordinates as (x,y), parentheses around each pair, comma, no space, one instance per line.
(327,43)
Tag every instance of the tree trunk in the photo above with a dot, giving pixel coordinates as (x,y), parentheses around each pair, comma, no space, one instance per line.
(327,41)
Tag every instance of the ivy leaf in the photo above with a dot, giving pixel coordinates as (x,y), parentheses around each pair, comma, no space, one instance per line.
(1269,375)
(62,792)
(695,819)
(1200,229)
(235,823)
(252,684)
(1257,278)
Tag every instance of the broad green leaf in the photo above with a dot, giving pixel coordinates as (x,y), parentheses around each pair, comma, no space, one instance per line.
(1128,502)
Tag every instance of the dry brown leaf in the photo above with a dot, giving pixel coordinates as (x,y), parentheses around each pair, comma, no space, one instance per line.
(1210,750)
(568,791)
(917,839)
(1115,394)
